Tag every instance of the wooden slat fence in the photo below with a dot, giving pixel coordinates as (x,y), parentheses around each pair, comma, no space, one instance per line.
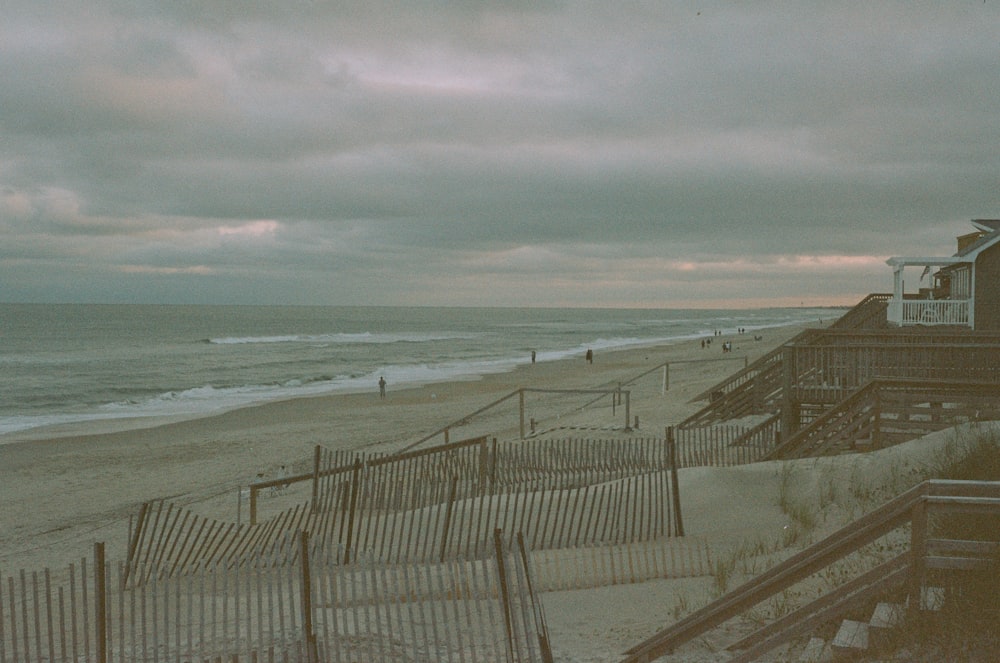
(636,508)
(725,445)
(481,610)
(437,504)
(601,566)
(552,464)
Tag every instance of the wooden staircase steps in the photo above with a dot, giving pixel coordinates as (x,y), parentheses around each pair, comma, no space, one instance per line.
(815,651)
(857,639)
(851,640)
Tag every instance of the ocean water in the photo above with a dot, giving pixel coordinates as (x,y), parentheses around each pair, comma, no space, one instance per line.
(69,363)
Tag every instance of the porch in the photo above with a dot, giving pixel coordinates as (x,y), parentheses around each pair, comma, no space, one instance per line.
(946,303)
(913,311)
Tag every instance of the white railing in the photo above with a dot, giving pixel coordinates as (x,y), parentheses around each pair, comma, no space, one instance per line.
(929,311)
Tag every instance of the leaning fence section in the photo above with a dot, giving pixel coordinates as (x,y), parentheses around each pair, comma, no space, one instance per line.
(436,505)
(479,610)
(168,540)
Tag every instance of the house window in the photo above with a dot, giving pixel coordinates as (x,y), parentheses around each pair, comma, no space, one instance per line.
(961,283)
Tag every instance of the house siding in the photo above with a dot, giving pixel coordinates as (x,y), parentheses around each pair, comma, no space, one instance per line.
(988,289)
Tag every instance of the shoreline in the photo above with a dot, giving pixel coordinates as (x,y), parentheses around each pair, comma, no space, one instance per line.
(65,488)
(92,424)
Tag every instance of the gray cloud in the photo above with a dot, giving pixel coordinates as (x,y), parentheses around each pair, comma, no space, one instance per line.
(504,153)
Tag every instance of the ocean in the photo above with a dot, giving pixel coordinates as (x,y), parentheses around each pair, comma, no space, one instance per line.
(69,363)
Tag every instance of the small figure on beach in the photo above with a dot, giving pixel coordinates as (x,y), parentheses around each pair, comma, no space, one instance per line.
(381,387)
(590,356)
(532,356)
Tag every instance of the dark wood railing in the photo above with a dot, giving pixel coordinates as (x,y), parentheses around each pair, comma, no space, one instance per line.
(870,313)
(912,508)
(887,412)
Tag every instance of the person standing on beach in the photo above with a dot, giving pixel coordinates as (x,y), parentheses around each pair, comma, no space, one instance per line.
(381,387)
(590,356)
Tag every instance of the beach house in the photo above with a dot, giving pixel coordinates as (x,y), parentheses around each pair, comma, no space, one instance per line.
(963,291)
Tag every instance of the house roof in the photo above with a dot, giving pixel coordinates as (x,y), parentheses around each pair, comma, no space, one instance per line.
(992,229)
(987,225)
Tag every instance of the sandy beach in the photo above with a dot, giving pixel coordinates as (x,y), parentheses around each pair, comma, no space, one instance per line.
(65,488)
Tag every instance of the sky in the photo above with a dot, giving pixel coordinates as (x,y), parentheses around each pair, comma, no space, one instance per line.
(490,153)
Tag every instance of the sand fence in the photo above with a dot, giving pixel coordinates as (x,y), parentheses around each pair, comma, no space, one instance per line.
(433,505)
(477,610)
(402,557)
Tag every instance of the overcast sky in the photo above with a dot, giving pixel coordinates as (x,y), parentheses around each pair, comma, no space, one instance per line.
(656,154)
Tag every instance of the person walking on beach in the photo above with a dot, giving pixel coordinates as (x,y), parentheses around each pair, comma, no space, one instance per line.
(381,387)
(590,356)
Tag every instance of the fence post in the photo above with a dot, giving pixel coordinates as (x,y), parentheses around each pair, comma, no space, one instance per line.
(312,655)
(315,487)
(877,419)
(447,516)
(675,489)
(253,505)
(504,591)
(790,420)
(628,416)
(520,400)
(541,628)
(352,508)
(100,605)
(133,545)
(918,551)
(482,467)
(493,467)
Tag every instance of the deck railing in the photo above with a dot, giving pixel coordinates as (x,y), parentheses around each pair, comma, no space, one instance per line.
(887,412)
(930,312)
(929,539)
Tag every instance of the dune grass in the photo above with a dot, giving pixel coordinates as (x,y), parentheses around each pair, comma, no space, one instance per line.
(968,628)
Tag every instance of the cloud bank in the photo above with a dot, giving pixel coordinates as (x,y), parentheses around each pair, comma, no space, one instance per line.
(667,154)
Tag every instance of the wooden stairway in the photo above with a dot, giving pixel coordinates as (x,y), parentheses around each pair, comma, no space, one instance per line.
(866,639)
(922,509)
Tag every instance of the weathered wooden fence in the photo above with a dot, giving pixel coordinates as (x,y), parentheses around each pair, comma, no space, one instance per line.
(725,445)
(601,566)
(169,540)
(436,504)
(480,610)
